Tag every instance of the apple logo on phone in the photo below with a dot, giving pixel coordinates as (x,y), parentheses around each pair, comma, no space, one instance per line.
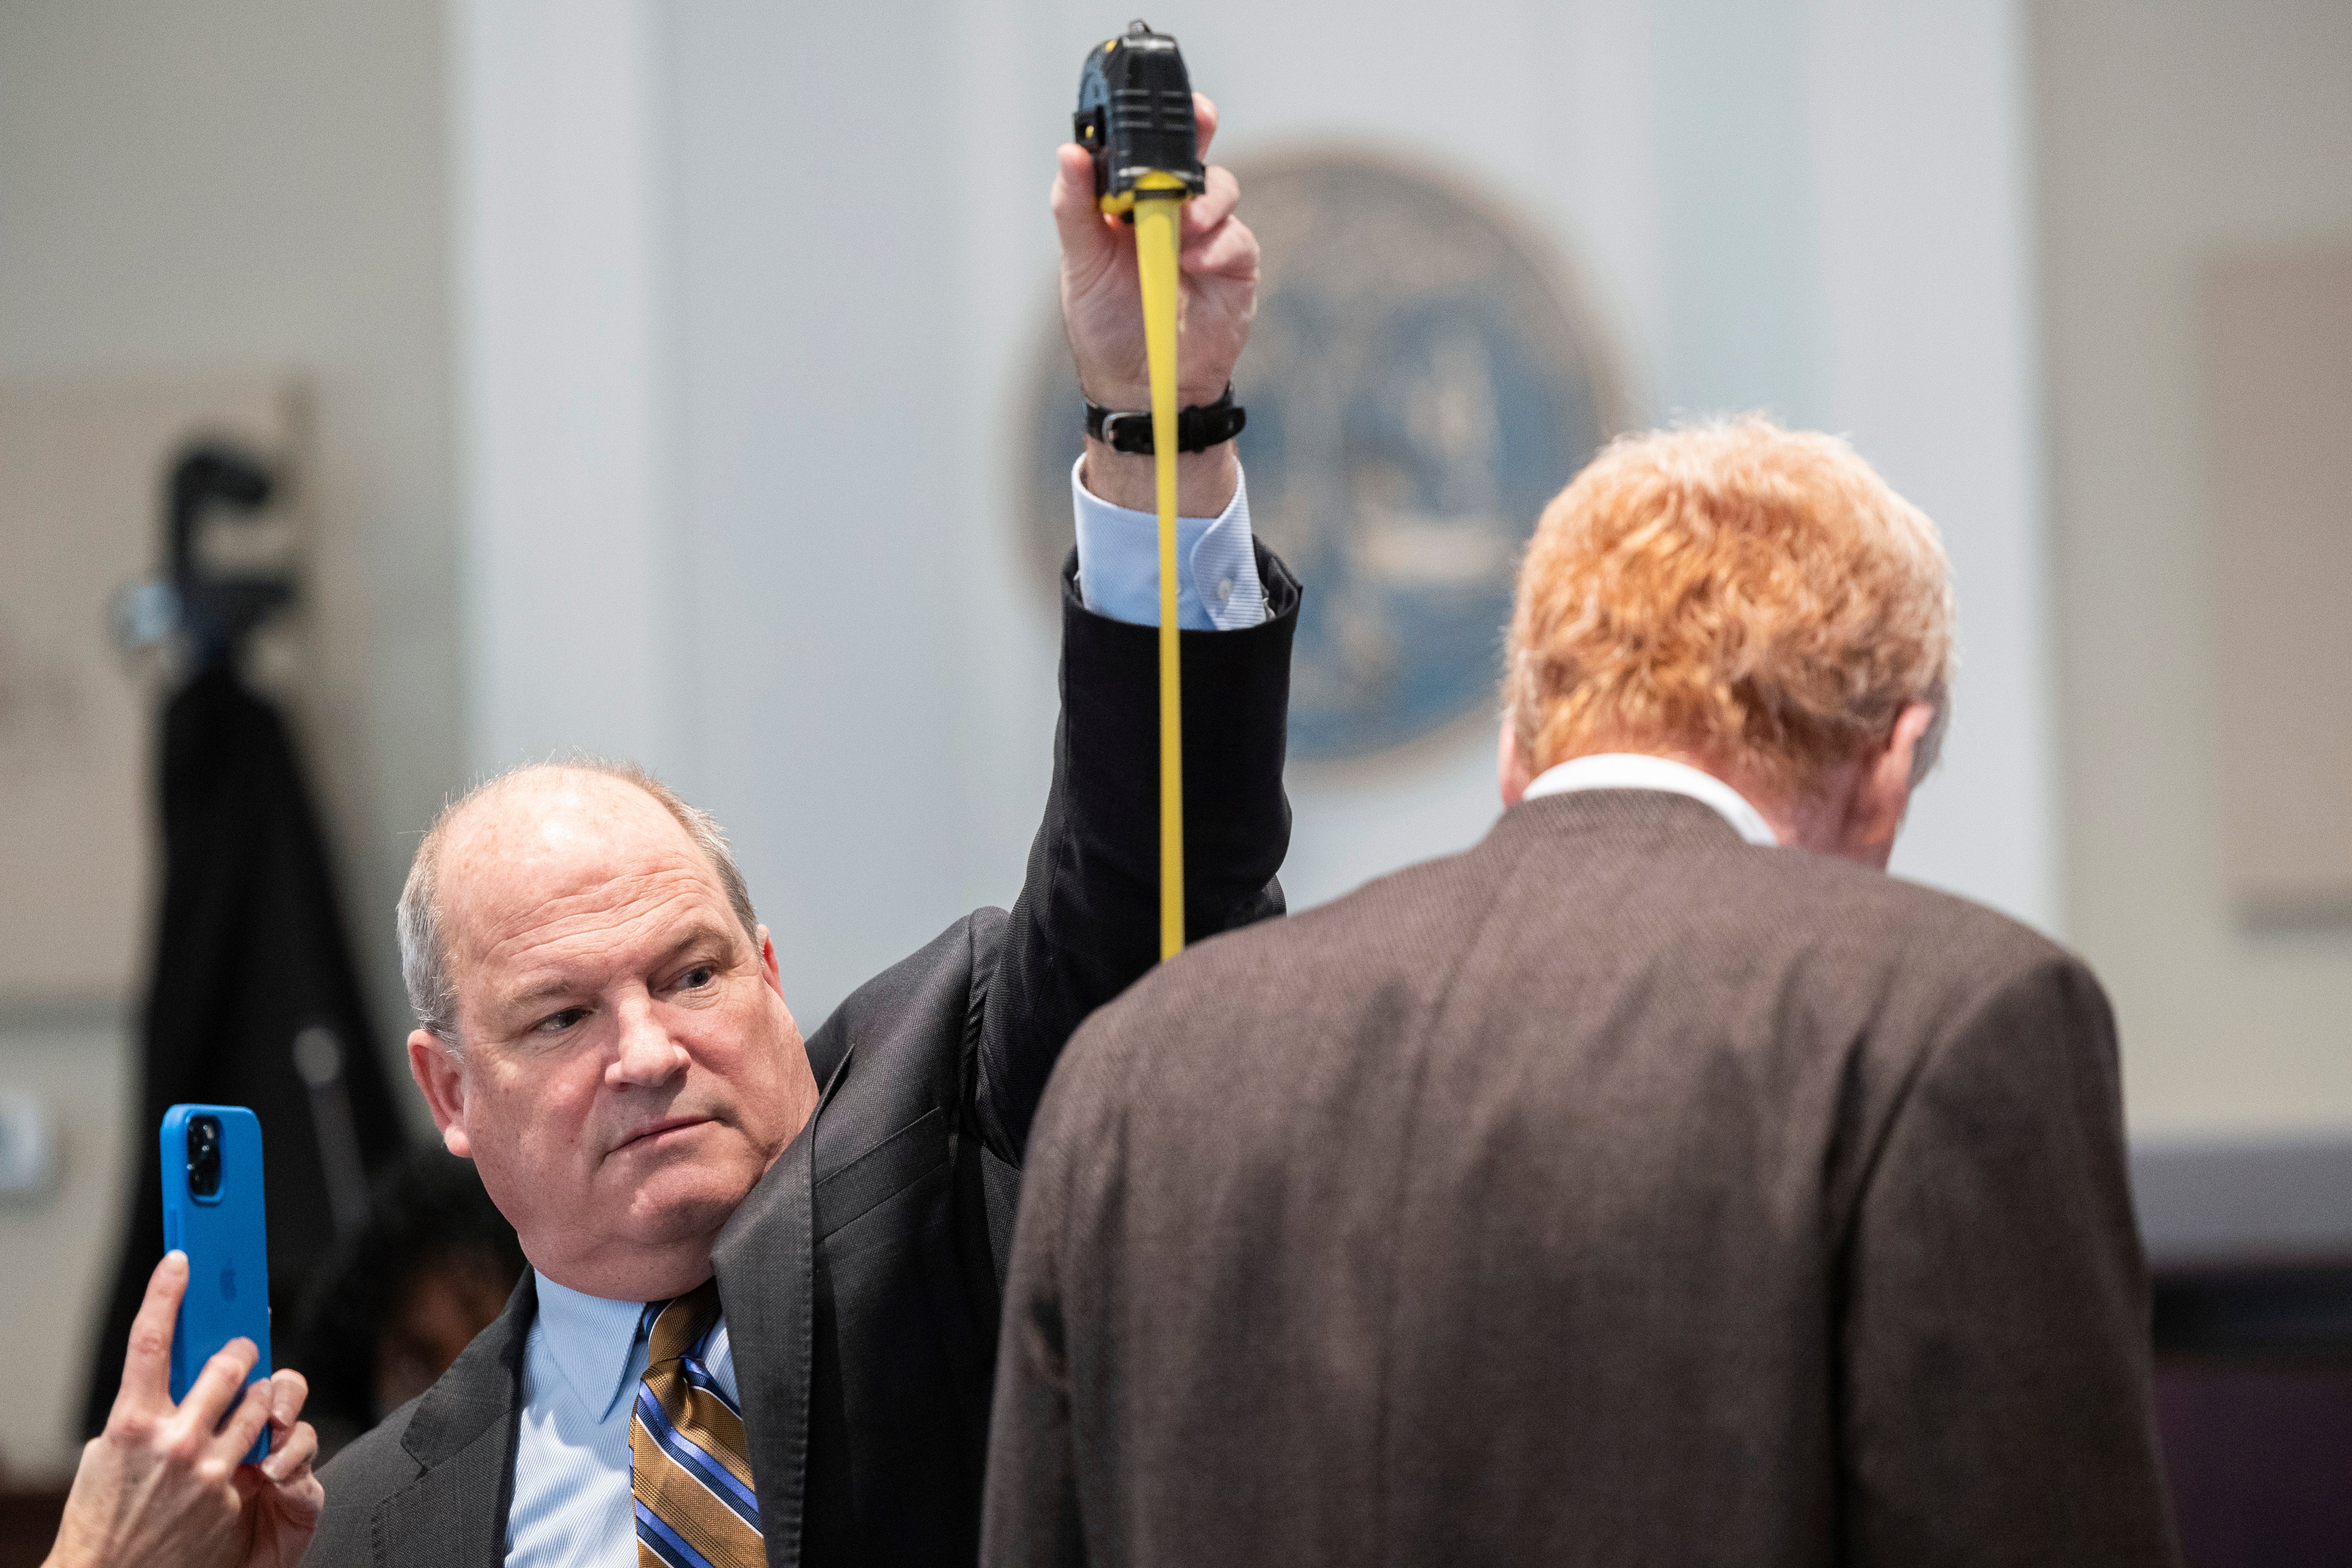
(228,1281)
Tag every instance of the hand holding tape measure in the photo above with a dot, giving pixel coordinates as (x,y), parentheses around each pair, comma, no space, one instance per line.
(1158,284)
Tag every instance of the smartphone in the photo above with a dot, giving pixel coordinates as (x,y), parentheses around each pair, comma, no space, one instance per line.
(212,1212)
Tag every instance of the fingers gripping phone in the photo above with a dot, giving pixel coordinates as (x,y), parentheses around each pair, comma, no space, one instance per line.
(212,1212)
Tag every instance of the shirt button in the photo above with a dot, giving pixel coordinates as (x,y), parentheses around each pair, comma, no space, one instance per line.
(1224,590)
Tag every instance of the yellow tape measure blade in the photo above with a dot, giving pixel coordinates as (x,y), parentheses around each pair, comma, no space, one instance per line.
(1156,246)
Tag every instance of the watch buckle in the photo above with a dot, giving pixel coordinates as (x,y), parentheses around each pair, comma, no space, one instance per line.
(1113,423)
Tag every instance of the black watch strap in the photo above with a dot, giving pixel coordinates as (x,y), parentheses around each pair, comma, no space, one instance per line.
(1198,427)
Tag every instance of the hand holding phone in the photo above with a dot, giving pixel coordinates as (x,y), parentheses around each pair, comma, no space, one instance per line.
(164,1484)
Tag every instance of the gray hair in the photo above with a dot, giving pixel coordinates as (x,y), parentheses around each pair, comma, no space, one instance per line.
(424,945)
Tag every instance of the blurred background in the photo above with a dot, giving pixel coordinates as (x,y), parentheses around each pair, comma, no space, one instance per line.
(678,381)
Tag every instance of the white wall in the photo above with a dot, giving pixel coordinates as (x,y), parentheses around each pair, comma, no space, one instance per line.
(1803,206)
(2170,133)
(256,185)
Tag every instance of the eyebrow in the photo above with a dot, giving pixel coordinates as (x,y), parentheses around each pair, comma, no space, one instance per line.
(548,990)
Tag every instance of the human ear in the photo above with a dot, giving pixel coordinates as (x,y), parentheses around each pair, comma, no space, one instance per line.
(1511,774)
(1874,815)
(442,1079)
(768,971)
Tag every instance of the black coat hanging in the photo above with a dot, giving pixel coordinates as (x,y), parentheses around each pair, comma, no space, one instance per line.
(250,954)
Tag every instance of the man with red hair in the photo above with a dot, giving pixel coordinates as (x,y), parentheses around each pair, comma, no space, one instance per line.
(1657,1182)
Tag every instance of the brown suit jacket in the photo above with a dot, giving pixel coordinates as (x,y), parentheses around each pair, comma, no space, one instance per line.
(1615,1192)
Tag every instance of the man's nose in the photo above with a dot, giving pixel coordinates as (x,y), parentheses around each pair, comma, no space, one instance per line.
(648,1055)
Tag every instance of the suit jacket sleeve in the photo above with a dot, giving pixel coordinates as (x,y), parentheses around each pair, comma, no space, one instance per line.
(1087,921)
(1998,1400)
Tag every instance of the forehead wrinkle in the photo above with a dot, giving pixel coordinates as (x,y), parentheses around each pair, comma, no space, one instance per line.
(612,915)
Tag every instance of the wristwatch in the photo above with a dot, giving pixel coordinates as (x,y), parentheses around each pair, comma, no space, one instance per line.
(1198,427)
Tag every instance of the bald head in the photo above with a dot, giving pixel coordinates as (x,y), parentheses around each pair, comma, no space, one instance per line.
(545,817)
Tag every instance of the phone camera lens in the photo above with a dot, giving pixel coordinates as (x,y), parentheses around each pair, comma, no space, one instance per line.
(203,1156)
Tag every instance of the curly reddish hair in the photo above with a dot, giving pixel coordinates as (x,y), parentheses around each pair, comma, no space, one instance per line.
(1749,597)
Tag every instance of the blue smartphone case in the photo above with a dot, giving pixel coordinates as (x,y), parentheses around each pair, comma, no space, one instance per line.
(227,1238)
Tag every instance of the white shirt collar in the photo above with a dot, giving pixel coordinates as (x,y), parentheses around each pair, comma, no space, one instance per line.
(592,1342)
(1633,770)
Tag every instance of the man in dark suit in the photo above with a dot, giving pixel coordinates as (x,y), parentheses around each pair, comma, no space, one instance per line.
(1657,1182)
(603,1032)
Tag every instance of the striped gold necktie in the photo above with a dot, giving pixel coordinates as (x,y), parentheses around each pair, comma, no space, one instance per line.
(690,1469)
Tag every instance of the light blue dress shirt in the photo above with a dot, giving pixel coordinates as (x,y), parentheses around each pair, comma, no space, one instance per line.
(1217,586)
(580,1370)
(1633,770)
(585,1355)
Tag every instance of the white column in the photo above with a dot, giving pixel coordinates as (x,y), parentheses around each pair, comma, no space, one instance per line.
(559,127)
(1921,152)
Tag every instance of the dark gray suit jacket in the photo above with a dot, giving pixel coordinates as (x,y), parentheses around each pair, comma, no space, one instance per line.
(861,1277)
(1615,1192)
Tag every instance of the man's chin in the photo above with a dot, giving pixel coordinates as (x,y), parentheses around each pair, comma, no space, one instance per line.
(680,1199)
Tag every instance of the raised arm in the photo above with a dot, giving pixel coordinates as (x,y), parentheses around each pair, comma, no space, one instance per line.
(1086,924)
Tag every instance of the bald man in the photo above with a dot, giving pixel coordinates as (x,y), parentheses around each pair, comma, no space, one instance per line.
(760,1323)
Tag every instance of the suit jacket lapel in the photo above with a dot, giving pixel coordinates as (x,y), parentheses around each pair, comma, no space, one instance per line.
(766,1263)
(462,1433)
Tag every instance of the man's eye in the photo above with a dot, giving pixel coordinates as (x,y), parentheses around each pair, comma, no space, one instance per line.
(556,1023)
(701,975)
